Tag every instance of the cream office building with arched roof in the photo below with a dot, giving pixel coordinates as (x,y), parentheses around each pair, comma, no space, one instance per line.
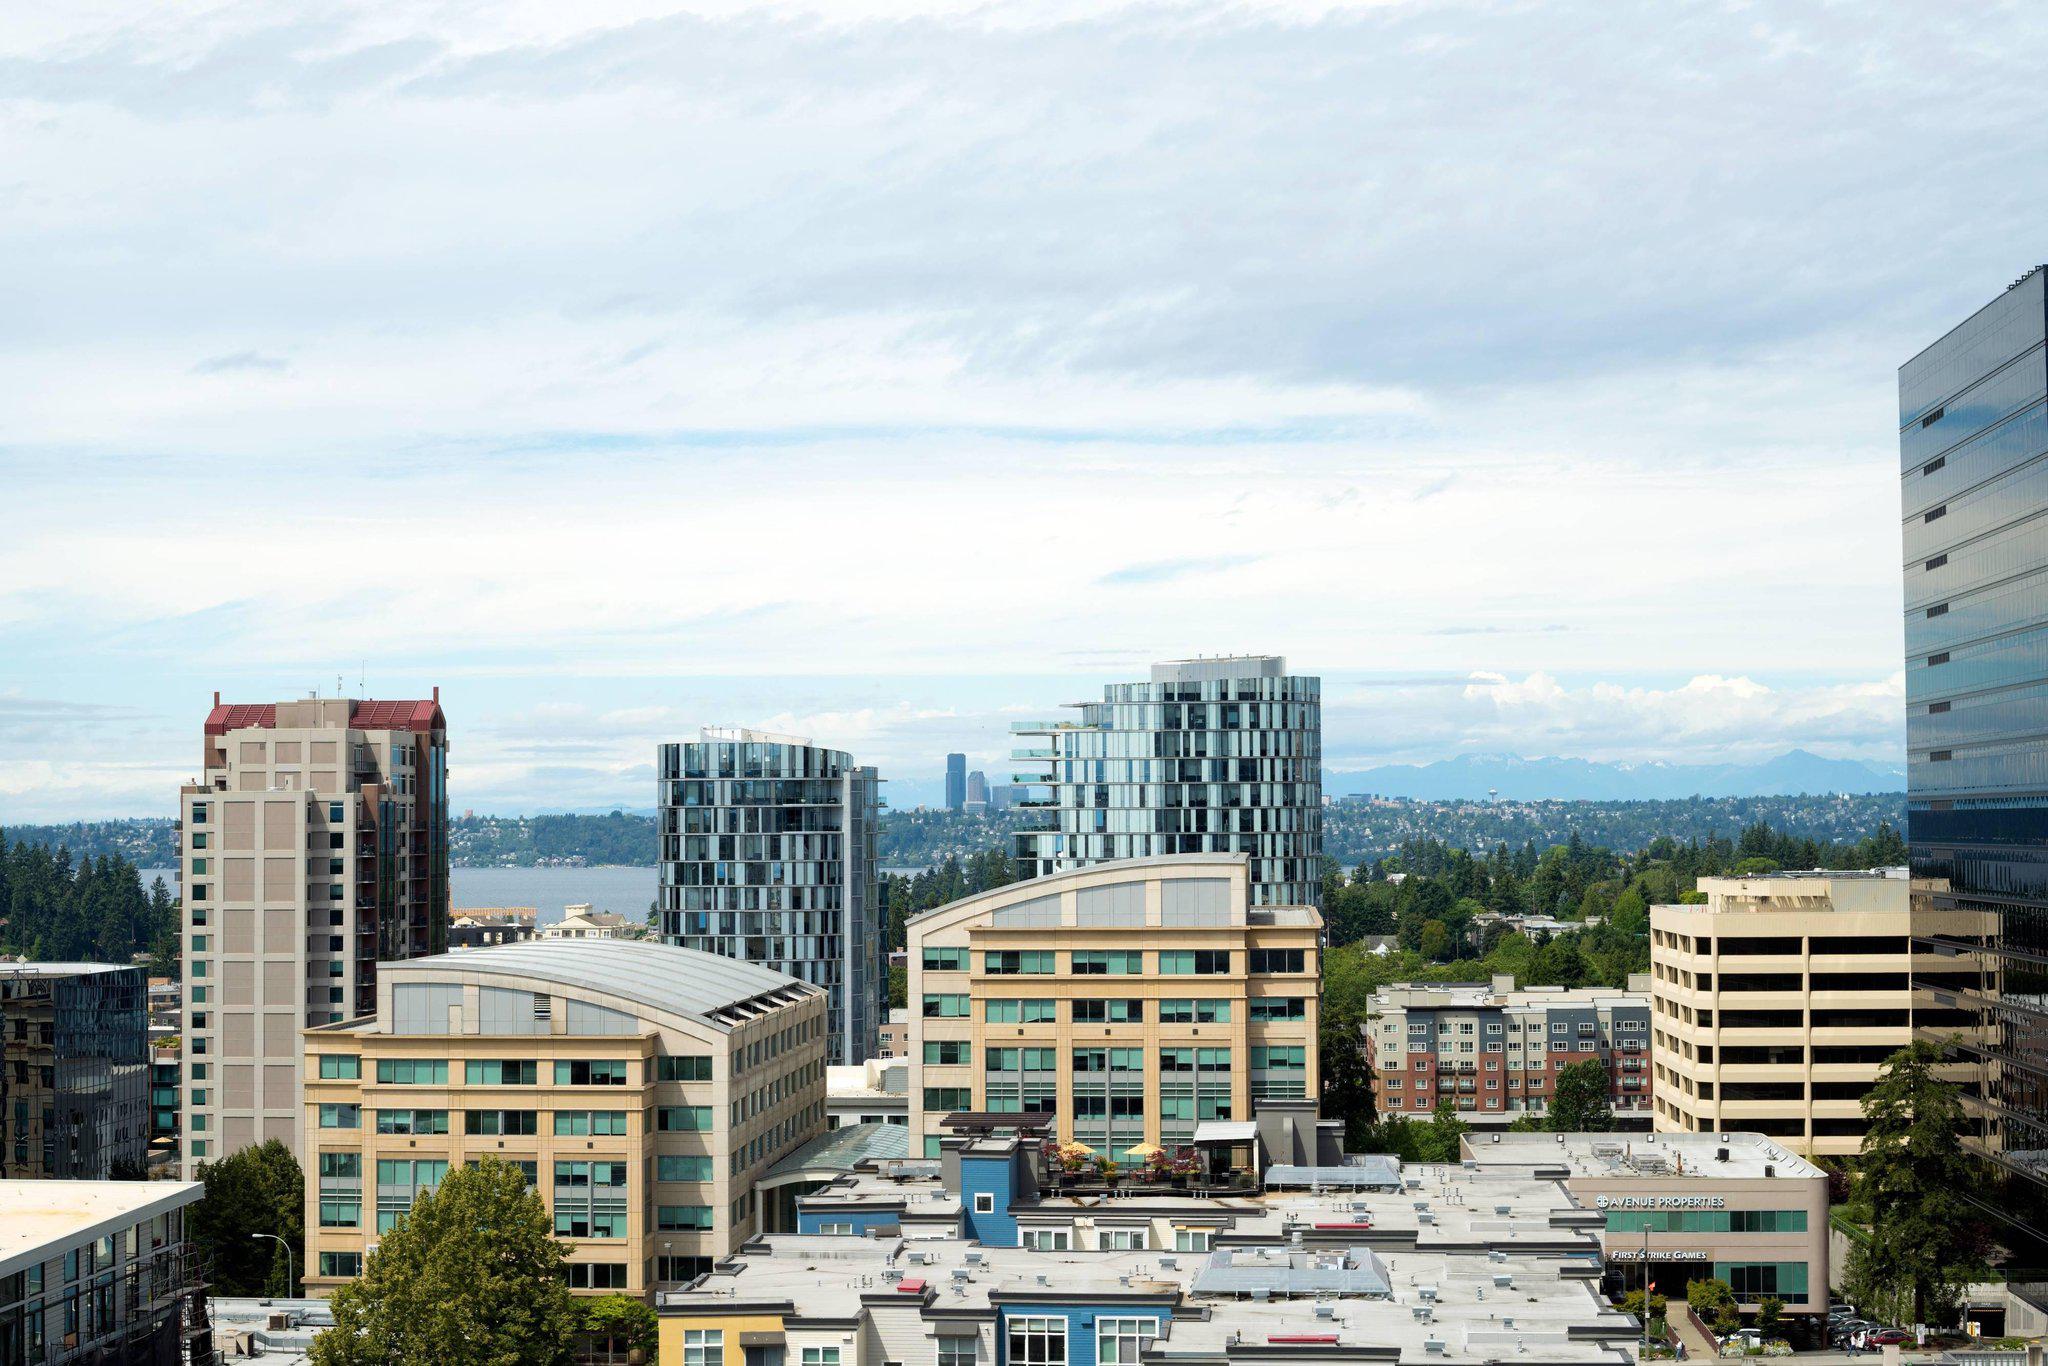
(1135,1001)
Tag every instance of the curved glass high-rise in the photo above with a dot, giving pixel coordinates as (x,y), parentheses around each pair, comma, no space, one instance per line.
(1210,756)
(768,855)
(1973,445)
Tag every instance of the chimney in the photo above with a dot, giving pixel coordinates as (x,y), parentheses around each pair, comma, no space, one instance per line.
(437,692)
(216,697)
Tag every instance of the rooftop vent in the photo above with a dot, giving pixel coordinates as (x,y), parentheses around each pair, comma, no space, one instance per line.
(1326,1311)
(1427,1293)
(1721,1154)
(1503,1279)
(1503,1209)
(1434,1346)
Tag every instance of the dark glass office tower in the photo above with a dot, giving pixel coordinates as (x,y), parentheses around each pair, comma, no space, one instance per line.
(74,1070)
(768,855)
(1973,446)
(956,781)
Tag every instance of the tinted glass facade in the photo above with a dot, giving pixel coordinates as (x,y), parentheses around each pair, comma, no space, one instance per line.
(768,855)
(1209,757)
(74,1070)
(1973,443)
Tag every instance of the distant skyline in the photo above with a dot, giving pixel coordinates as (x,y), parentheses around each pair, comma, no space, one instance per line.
(886,373)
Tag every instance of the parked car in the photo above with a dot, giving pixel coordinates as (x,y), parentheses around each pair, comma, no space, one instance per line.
(1885,1337)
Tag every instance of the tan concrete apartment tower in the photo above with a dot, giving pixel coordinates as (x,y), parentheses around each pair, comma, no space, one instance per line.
(314,845)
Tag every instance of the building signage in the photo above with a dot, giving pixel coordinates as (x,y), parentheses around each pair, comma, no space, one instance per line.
(1657,1255)
(1661,1201)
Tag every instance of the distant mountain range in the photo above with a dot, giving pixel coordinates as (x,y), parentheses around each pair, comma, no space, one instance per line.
(1518,779)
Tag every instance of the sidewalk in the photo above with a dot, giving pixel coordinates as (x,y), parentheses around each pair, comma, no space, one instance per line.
(1698,1346)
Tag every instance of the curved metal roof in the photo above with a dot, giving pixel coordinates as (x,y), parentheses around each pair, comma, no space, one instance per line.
(659,976)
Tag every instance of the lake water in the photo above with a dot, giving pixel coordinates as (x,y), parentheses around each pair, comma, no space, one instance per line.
(624,891)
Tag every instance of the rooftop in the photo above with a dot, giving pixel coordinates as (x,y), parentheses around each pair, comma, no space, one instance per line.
(39,1219)
(843,1149)
(13,969)
(1646,1156)
(660,976)
(413,714)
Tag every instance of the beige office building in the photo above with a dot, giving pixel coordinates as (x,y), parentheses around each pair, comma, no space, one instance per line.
(1734,1207)
(1775,1004)
(645,1090)
(314,847)
(1135,1001)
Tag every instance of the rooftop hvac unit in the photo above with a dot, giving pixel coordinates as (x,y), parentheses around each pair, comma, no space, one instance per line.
(1326,1311)
(1503,1279)
(1502,1209)
(1434,1346)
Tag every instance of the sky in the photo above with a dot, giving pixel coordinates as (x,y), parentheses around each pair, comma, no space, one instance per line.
(889,371)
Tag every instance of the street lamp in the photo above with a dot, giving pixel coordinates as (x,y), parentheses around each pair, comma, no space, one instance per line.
(294,1280)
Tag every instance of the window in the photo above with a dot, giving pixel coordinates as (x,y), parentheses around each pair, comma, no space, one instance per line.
(1123,1240)
(1047,1239)
(341,1212)
(340,1067)
(683,1119)
(501,1072)
(500,1122)
(984,1202)
(399,1183)
(1109,1012)
(1935,514)
(687,1068)
(1278,960)
(682,1167)
(836,1230)
(412,1071)
(1018,1012)
(821,1356)
(579,1123)
(945,960)
(1204,962)
(958,1351)
(947,1052)
(412,1121)
(952,1006)
(1121,1342)
(341,1264)
(1010,962)
(948,1098)
(341,1116)
(1192,1239)
(590,1199)
(585,1072)
(1109,963)
(612,1276)
(682,1218)
(1270,1008)
(1195,1010)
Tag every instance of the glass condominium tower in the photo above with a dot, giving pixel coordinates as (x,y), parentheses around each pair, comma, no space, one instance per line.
(1208,756)
(768,855)
(1973,448)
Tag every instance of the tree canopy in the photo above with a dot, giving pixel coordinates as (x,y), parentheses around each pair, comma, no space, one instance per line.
(1923,1250)
(472,1274)
(1579,1104)
(256,1190)
(55,909)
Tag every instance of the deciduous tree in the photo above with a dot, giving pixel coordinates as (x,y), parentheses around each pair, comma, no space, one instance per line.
(1579,1105)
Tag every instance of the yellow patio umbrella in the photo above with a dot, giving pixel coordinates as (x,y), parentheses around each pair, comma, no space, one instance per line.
(1144,1149)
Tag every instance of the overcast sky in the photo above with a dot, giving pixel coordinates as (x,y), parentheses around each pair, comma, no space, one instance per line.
(889,372)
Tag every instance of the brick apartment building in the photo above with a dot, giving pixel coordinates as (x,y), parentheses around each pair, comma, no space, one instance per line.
(1496,1051)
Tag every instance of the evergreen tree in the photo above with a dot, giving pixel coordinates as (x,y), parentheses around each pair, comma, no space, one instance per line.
(1921,1252)
(256,1190)
(471,1274)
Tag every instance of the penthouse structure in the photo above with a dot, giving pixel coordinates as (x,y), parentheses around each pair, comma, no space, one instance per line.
(1495,1052)
(1777,1002)
(314,848)
(644,1090)
(768,856)
(74,1071)
(1208,756)
(966,1263)
(1144,1002)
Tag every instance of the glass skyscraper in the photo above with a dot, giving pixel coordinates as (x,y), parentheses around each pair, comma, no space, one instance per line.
(768,855)
(1973,446)
(74,1070)
(1208,756)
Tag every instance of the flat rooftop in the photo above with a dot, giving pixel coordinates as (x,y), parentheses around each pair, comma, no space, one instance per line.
(39,1219)
(1645,1156)
(1426,1306)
